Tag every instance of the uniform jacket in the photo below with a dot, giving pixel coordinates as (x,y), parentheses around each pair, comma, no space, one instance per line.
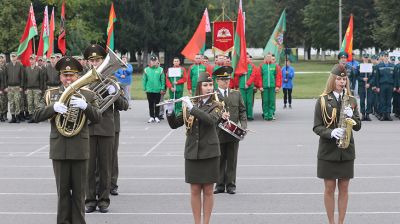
(51,76)
(250,78)
(235,106)
(202,139)
(384,74)
(33,78)
(327,148)
(153,80)
(14,74)
(180,81)
(120,104)
(193,74)
(270,76)
(75,147)
(2,79)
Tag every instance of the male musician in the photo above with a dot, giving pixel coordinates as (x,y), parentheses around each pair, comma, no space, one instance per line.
(194,72)
(3,94)
(229,145)
(14,79)
(69,154)
(101,145)
(175,84)
(33,86)
(385,85)
(365,91)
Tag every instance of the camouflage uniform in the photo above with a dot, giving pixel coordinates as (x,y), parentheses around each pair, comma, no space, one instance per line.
(3,96)
(34,85)
(14,74)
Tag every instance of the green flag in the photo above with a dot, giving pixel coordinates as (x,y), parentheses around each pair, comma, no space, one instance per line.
(275,42)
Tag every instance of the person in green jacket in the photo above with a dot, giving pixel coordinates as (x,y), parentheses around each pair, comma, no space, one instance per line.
(268,78)
(194,72)
(154,85)
(175,84)
(335,165)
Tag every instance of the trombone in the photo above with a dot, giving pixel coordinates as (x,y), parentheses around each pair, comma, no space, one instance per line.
(180,99)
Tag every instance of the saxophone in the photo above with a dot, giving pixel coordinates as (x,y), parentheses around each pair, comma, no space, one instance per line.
(345,123)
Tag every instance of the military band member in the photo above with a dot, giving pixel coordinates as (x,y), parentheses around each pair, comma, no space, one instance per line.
(101,145)
(335,165)
(385,85)
(14,79)
(365,92)
(69,154)
(120,104)
(202,145)
(3,93)
(33,86)
(229,145)
(176,84)
(194,72)
(51,77)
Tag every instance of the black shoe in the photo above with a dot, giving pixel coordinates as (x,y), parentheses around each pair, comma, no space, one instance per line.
(31,121)
(231,191)
(290,106)
(103,209)
(2,118)
(90,209)
(367,118)
(388,118)
(161,117)
(20,117)
(284,106)
(219,190)
(114,191)
(13,119)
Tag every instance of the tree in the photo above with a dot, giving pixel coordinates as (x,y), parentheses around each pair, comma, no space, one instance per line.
(387,27)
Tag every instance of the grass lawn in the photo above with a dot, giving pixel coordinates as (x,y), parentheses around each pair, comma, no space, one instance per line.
(306,86)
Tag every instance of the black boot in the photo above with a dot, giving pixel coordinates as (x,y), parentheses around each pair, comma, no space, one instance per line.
(2,118)
(20,117)
(13,119)
(363,117)
(388,118)
(367,118)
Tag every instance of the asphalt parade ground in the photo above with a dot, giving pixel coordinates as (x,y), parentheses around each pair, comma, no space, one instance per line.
(276,175)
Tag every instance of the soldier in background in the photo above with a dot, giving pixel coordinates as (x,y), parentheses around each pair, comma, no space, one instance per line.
(374,102)
(3,94)
(33,86)
(14,79)
(365,92)
(51,75)
(385,85)
(396,93)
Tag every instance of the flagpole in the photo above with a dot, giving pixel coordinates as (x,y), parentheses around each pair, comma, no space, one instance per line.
(340,23)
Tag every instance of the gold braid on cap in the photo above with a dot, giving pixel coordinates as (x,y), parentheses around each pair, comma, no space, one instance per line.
(328,120)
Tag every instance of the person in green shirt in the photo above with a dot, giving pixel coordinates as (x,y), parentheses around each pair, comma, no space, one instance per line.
(154,85)
(194,72)
(175,84)
(268,77)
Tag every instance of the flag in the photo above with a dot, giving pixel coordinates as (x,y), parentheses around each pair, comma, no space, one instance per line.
(239,54)
(62,44)
(25,43)
(197,44)
(50,51)
(347,44)
(275,42)
(110,28)
(44,35)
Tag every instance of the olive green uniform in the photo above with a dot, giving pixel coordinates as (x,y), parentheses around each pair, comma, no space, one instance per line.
(202,150)
(33,86)
(229,145)
(120,104)
(14,79)
(333,162)
(51,76)
(3,95)
(69,155)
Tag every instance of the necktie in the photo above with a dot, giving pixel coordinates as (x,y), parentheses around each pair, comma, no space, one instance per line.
(225,93)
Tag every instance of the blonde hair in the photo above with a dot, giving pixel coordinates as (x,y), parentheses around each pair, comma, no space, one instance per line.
(331,85)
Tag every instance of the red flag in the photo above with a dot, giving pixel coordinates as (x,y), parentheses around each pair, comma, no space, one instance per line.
(44,35)
(62,45)
(198,41)
(110,28)
(51,35)
(25,43)
(239,59)
(347,44)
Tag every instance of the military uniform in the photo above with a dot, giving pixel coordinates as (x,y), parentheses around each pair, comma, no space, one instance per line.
(51,77)
(3,96)
(14,79)
(229,145)
(69,154)
(385,81)
(396,94)
(365,94)
(334,162)
(33,87)
(120,104)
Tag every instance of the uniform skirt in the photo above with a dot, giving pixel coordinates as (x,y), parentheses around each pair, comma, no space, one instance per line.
(201,171)
(335,169)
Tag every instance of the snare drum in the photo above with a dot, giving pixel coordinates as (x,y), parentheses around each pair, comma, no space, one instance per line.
(233,129)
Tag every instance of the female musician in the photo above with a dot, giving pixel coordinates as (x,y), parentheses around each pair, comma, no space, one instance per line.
(335,163)
(202,150)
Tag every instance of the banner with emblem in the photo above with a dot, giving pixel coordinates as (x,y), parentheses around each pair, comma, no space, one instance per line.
(223,36)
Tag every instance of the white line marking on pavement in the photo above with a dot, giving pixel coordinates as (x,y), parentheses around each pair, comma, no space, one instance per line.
(159,143)
(245,194)
(214,214)
(181,178)
(37,150)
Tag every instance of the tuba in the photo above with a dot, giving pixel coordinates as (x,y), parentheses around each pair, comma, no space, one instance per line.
(71,123)
(106,78)
(345,123)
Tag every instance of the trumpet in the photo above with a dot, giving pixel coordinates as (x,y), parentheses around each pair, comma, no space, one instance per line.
(180,99)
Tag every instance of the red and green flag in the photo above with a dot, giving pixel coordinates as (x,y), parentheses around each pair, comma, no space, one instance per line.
(197,44)
(347,44)
(239,56)
(275,42)
(62,43)
(50,51)
(110,28)
(25,43)
(44,35)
